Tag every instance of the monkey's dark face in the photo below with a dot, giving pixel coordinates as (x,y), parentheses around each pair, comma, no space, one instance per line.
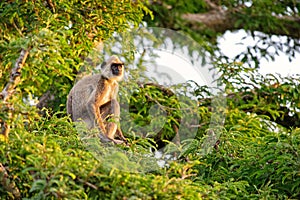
(117,68)
(113,69)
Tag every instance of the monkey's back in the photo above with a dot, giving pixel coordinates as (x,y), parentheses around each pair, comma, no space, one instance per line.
(83,91)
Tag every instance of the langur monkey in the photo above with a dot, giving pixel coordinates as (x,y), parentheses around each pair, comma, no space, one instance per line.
(93,100)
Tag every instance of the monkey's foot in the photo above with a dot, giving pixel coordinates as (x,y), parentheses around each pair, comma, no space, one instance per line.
(105,139)
(123,139)
(118,141)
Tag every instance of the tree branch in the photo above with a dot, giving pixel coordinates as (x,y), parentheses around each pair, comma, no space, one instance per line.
(14,76)
(221,19)
(8,185)
(10,89)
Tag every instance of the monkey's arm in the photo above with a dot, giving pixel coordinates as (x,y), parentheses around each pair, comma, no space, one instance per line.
(101,97)
(115,89)
(99,120)
(94,114)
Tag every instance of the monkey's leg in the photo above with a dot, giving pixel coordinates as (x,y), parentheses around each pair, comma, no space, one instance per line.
(110,112)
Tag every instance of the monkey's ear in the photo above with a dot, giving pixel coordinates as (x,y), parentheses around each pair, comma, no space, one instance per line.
(103,64)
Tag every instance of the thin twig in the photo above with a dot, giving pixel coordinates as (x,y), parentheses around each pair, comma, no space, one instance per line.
(88,184)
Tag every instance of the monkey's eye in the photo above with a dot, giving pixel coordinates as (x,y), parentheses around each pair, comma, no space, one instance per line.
(117,65)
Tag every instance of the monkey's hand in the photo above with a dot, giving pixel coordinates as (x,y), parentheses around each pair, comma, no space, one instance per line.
(121,136)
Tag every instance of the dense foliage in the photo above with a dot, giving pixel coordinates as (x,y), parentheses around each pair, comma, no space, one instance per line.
(256,155)
(253,159)
(60,35)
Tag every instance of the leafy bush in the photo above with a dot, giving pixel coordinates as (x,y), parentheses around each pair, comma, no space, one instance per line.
(252,160)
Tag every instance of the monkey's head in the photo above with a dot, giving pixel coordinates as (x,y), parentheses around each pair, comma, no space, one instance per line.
(113,68)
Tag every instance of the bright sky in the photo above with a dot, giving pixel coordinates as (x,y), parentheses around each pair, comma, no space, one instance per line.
(231,46)
(175,69)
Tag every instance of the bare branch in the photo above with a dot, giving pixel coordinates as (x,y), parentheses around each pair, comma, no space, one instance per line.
(221,19)
(10,89)
(14,76)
